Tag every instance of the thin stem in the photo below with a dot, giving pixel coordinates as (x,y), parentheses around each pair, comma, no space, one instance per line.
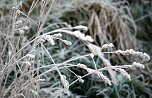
(51,59)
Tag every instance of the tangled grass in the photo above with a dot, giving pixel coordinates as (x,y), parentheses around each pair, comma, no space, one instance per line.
(56,56)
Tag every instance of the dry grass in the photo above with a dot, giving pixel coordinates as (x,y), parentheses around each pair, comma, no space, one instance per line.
(107,21)
(26,65)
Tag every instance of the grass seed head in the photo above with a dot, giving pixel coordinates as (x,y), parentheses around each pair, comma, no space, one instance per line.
(67,42)
(30,56)
(105,46)
(65,83)
(58,35)
(91,55)
(18,22)
(103,77)
(82,66)
(26,28)
(137,65)
(88,38)
(81,27)
(142,55)
(21,32)
(124,73)
(80,79)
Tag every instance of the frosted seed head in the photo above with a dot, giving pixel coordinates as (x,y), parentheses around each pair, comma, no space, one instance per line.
(124,73)
(111,45)
(80,79)
(81,27)
(91,55)
(67,42)
(79,35)
(18,12)
(82,66)
(21,32)
(29,55)
(118,51)
(65,83)
(143,56)
(105,46)
(103,77)
(137,65)
(146,57)
(41,80)
(49,39)
(40,40)
(18,22)
(89,38)
(26,28)
(58,35)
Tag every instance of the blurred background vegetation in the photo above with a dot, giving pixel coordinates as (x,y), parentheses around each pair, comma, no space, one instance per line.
(75,12)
